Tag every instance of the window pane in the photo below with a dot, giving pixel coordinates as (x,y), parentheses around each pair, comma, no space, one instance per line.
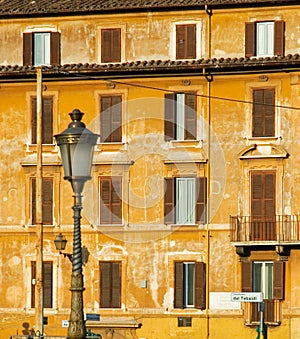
(268,293)
(180,109)
(265,38)
(263,278)
(185,200)
(41,49)
(257,269)
(189,276)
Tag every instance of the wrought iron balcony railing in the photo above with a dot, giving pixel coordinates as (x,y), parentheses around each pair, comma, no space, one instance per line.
(279,229)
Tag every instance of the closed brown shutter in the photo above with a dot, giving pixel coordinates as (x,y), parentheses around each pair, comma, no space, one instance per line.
(47,120)
(201,190)
(170,120)
(47,201)
(47,284)
(278,280)
(111,118)
(247,276)
(186,41)
(111,200)
(169,201)
(27,49)
(279,40)
(116,285)
(190,117)
(200,292)
(111,45)
(47,129)
(263,117)
(250,44)
(178,285)
(55,48)
(263,194)
(110,284)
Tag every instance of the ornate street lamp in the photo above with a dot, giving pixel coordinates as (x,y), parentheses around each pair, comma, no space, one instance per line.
(76,147)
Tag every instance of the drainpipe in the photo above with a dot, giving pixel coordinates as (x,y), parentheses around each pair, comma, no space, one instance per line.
(209,80)
(39,304)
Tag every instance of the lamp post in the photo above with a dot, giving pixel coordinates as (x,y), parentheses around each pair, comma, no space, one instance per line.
(76,145)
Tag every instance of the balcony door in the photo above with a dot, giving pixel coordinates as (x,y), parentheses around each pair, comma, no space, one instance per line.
(263,193)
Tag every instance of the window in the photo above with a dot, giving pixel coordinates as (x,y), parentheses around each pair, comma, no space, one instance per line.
(264,38)
(110,200)
(189,289)
(180,116)
(111,118)
(111,45)
(263,114)
(185,200)
(47,120)
(47,283)
(110,284)
(186,41)
(266,277)
(41,48)
(263,202)
(47,201)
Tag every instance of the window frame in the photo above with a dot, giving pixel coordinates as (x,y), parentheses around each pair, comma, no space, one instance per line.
(251,39)
(199,37)
(45,202)
(173,119)
(170,201)
(29,47)
(110,291)
(102,205)
(180,290)
(115,36)
(48,290)
(112,125)
(47,120)
(263,112)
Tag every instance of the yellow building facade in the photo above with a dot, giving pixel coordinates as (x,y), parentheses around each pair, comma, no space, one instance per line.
(194,191)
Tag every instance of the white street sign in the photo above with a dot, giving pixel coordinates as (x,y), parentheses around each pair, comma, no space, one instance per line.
(250,297)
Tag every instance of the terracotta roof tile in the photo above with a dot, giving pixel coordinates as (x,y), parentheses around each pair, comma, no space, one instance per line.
(58,7)
(290,62)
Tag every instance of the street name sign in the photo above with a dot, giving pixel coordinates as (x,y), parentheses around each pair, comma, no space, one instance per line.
(250,297)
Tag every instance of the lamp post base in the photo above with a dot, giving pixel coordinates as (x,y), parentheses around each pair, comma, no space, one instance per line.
(77,328)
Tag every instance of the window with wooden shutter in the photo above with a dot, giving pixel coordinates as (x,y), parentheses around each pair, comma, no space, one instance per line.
(264,38)
(247,276)
(41,48)
(47,120)
(47,201)
(169,201)
(186,41)
(278,280)
(47,283)
(263,114)
(110,200)
(263,205)
(189,285)
(111,45)
(110,284)
(111,118)
(180,116)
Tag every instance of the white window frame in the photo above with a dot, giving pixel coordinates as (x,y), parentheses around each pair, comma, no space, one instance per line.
(41,48)
(185,200)
(266,280)
(200,46)
(189,284)
(265,38)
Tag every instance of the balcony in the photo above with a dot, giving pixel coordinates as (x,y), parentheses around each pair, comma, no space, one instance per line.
(277,230)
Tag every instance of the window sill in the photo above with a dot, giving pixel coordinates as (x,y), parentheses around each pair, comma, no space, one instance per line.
(186,143)
(110,146)
(50,148)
